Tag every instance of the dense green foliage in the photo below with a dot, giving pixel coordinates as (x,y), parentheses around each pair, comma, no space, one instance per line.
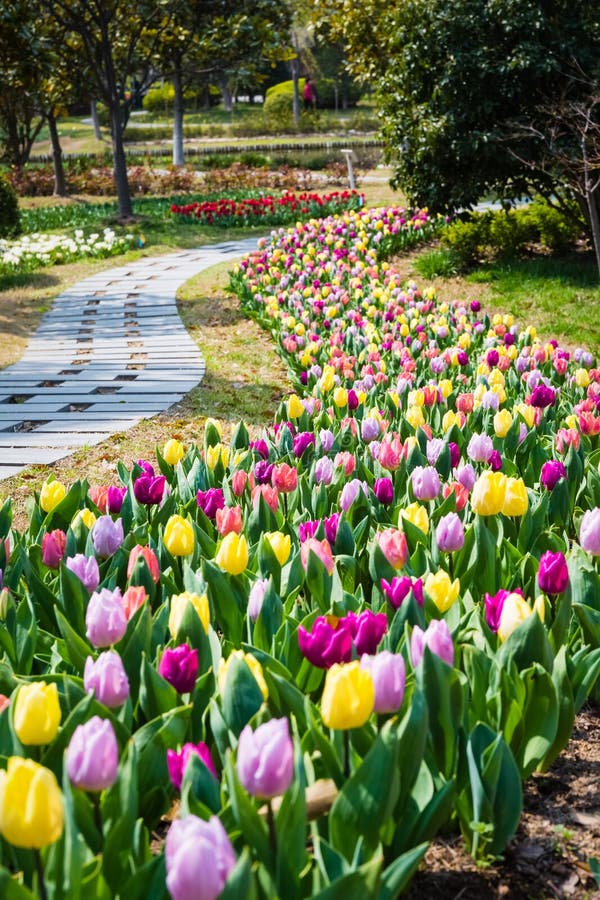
(10,223)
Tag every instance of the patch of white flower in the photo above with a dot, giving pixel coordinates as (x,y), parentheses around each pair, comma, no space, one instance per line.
(35,250)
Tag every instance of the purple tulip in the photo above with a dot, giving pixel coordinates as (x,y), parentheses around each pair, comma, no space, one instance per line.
(93,755)
(353,400)
(369,429)
(388,672)
(328,642)
(492,358)
(114,499)
(179,666)
(326,439)
(454,454)
(542,396)
(493,607)
(263,471)
(398,589)
(367,630)
(308,529)
(107,679)
(323,471)
(551,474)
(149,489)
(495,461)
(425,482)
(105,618)
(146,467)
(384,490)
(107,536)
(490,400)
(433,450)
(301,441)
(331,524)
(479,447)
(589,532)
(553,574)
(199,858)
(256,597)
(53,548)
(261,447)
(265,759)
(466,475)
(437,637)
(450,534)
(86,569)
(177,761)
(350,492)
(210,501)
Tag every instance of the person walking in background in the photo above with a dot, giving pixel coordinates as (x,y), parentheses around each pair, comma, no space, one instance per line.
(309,94)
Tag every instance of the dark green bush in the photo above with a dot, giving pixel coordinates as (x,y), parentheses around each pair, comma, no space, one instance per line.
(556,230)
(10,219)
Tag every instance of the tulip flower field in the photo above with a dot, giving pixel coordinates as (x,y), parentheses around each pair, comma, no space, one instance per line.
(315,649)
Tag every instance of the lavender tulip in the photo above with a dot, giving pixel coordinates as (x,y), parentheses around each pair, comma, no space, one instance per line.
(479,447)
(437,637)
(589,531)
(326,439)
(107,679)
(265,759)
(179,666)
(350,492)
(466,475)
(105,618)
(425,482)
(323,471)
(433,450)
(369,429)
(199,858)
(93,755)
(388,672)
(86,569)
(450,534)
(107,536)
(256,597)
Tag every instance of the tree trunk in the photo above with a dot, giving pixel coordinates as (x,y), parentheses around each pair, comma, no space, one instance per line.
(96,121)
(178,153)
(227,95)
(60,182)
(295,70)
(120,163)
(595,224)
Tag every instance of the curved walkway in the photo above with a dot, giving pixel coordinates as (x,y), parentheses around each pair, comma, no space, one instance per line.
(111,351)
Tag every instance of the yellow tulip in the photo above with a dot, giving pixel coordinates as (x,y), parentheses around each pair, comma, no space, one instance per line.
(442,591)
(327,379)
(86,516)
(51,494)
(215,453)
(173,452)
(416,515)
(487,498)
(179,604)
(516,610)
(294,406)
(516,501)
(281,545)
(252,663)
(36,714)
(31,811)
(233,553)
(179,536)
(348,696)
(415,417)
(502,422)
(527,413)
(446,387)
(340,397)
(582,378)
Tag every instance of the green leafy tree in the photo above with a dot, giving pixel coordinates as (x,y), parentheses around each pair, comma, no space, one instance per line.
(463,86)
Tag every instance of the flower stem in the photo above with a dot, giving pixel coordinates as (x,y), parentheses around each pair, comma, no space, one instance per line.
(39,866)
(272,832)
(346,754)
(97,811)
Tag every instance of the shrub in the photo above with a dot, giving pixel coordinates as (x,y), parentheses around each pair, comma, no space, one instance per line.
(555,230)
(10,220)
(510,232)
(436,264)
(467,239)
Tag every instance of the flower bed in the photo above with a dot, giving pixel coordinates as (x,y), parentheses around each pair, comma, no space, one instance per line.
(371,623)
(36,250)
(229,212)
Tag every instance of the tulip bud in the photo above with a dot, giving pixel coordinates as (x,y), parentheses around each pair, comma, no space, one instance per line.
(589,532)
(36,714)
(105,619)
(86,569)
(179,666)
(280,544)
(516,501)
(265,759)
(151,561)
(252,663)
(425,483)
(199,858)
(149,489)
(51,494)
(173,452)
(107,679)
(177,761)
(93,755)
(321,549)
(450,534)
(107,536)
(134,597)
(553,574)
(442,591)
(388,672)
(348,696)
(256,597)
(179,604)
(31,812)
(392,544)
(437,637)
(367,630)
(179,538)
(398,589)
(53,548)
(232,555)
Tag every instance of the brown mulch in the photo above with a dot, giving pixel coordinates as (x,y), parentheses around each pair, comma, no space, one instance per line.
(558,833)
